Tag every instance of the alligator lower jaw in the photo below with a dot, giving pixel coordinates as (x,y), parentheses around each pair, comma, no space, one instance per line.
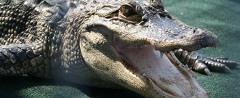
(163,70)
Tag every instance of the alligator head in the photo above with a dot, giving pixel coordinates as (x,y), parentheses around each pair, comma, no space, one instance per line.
(130,43)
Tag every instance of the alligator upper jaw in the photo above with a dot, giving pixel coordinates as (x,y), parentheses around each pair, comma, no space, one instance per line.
(162,72)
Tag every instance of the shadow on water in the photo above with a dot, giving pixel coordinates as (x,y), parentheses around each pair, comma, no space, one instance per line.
(235,1)
(29,87)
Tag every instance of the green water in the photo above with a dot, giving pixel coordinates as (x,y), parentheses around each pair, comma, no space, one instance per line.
(219,16)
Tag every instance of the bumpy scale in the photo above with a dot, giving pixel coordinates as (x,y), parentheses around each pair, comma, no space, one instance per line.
(22,40)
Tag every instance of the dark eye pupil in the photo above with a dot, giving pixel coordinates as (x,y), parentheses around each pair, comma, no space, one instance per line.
(127,10)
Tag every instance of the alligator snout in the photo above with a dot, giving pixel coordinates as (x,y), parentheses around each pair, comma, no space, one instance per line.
(169,34)
(207,38)
(192,39)
(173,34)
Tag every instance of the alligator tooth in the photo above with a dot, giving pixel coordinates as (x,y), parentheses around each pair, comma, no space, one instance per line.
(178,64)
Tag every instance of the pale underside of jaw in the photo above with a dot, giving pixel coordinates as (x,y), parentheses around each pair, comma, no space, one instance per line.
(157,67)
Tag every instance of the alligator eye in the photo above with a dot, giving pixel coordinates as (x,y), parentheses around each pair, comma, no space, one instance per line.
(127,10)
(129,13)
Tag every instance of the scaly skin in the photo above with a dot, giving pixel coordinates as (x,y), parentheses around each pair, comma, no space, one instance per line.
(105,43)
(202,64)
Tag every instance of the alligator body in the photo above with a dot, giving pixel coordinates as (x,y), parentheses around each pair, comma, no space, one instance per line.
(133,44)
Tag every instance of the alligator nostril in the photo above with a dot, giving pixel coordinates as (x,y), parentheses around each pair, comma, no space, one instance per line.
(182,37)
(195,30)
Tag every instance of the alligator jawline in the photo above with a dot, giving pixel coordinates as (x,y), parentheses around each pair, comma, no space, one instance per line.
(160,69)
(129,64)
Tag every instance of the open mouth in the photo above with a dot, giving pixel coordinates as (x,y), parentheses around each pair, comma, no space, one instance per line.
(163,70)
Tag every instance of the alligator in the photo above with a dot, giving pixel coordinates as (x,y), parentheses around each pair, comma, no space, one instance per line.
(131,44)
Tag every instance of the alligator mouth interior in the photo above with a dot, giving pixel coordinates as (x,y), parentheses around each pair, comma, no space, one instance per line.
(162,69)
